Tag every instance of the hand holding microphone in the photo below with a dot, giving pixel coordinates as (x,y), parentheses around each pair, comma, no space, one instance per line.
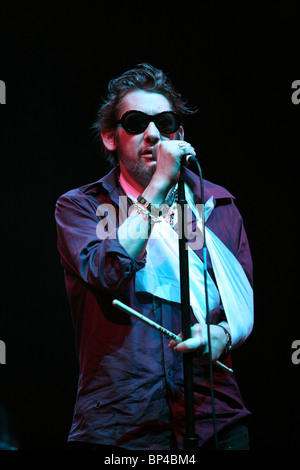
(187,157)
(179,149)
(170,155)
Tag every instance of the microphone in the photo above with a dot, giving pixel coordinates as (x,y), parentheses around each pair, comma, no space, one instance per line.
(188,159)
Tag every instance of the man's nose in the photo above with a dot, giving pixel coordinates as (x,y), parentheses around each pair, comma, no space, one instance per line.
(151,134)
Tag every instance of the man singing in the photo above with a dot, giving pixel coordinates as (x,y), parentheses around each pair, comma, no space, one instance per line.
(118,239)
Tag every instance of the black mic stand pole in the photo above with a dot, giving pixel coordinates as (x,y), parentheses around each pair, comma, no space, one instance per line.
(190,439)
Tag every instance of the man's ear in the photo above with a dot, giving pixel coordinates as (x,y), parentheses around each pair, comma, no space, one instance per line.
(180,133)
(108,139)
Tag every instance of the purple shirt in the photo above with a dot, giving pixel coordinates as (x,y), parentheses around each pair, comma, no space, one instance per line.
(130,389)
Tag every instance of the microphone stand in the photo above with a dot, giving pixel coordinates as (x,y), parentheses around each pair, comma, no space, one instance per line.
(190,439)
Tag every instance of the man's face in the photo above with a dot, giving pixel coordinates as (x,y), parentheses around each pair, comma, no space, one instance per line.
(134,151)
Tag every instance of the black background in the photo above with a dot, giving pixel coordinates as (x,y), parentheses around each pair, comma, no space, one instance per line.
(237,67)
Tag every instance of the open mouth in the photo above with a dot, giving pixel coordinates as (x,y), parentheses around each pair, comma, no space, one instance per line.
(147,153)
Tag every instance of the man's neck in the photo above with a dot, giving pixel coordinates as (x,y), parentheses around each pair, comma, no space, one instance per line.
(130,190)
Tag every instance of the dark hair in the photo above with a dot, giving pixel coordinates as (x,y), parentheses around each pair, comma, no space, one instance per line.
(143,77)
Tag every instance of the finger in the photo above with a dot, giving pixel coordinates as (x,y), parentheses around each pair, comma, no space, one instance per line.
(172,344)
(193,343)
(186,148)
(188,345)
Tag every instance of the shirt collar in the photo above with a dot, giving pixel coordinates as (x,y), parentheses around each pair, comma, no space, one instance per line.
(110,183)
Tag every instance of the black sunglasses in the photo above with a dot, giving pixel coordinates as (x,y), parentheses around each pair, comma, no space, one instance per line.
(136,122)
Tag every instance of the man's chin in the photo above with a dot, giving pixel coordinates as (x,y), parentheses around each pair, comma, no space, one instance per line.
(141,172)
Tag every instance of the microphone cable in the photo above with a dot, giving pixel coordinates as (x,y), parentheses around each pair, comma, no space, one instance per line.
(190,158)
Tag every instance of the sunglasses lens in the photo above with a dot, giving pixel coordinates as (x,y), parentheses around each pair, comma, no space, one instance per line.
(167,122)
(135,122)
